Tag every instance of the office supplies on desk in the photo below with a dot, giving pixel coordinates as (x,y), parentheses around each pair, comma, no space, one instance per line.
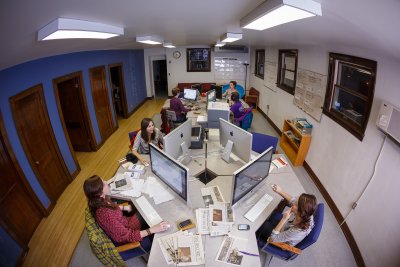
(259,207)
(149,212)
(134,167)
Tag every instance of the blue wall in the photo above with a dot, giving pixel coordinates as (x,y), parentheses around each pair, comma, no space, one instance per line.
(21,77)
(9,250)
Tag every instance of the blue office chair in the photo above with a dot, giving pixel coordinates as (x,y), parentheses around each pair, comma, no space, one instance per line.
(287,252)
(238,87)
(262,142)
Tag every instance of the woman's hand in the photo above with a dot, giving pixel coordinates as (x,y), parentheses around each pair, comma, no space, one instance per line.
(277,188)
(161,227)
(144,162)
(127,208)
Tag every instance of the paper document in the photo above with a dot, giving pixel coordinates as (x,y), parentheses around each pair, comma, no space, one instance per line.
(182,249)
(201,118)
(211,195)
(221,218)
(230,250)
(129,166)
(280,162)
(158,192)
(136,191)
(203,223)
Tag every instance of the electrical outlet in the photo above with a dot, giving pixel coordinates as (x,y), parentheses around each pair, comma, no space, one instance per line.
(267,106)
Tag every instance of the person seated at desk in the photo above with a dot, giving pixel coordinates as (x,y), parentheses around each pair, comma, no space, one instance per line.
(230,90)
(237,108)
(109,216)
(177,106)
(290,232)
(148,134)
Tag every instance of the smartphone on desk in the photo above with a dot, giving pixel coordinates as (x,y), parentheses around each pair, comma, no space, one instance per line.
(243,227)
(185,223)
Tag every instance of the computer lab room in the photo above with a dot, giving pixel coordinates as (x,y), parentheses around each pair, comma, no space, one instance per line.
(200,133)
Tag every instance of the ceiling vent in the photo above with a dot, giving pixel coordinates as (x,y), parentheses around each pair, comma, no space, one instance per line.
(231,49)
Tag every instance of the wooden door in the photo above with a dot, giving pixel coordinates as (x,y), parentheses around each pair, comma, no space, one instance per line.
(117,79)
(37,138)
(20,209)
(72,102)
(101,101)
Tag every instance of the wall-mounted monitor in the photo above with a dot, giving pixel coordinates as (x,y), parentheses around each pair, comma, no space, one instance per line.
(250,175)
(170,171)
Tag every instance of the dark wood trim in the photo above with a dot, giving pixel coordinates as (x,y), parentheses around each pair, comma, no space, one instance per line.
(339,218)
(279,84)
(256,64)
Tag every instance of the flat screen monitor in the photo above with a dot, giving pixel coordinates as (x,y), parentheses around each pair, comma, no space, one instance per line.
(241,139)
(190,94)
(211,96)
(196,86)
(178,140)
(250,175)
(218,90)
(171,172)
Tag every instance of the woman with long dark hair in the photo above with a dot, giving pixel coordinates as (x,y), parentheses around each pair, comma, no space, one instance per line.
(148,134)
(286,230)
(109,215)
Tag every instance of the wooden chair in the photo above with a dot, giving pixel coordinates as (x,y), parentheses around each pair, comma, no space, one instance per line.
(252,98)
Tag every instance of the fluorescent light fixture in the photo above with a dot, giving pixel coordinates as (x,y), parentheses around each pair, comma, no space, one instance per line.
(275,12)
(230,37)
(72,28)
(219,44)
(168,45)
(149,40)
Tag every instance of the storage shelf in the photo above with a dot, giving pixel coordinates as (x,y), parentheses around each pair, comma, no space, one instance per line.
(295,152)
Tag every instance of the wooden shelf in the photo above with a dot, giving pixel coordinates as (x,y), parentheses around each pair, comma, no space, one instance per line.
(295,151)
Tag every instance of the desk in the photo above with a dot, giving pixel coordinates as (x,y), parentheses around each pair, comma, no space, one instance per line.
(177,209)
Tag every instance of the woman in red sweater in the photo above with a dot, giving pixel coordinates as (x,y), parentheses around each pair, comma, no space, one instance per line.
(108,215)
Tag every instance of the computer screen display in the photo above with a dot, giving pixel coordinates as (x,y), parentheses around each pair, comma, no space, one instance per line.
(241,139)
(171,172)
(218,90)
(249,176)
(211,96)
(174,140)
(190,94)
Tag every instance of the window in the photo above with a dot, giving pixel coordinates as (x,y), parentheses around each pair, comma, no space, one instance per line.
(287,70)
(351,84)
(260,59)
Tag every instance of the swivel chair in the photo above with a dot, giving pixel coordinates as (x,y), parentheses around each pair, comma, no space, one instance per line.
(238,87)
(106,251)
(261,142)
(132,136)
(286,252)
(171,115)
(245,120)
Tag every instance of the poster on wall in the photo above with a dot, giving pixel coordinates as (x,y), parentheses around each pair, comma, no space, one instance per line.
(310,91)
(229,69)
(271,70)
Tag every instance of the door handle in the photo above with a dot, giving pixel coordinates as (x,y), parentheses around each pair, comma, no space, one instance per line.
(37,162)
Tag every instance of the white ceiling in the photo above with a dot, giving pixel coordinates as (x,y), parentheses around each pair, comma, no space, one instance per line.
(360,24)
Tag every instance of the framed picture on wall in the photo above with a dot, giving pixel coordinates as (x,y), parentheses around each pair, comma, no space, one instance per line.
(198,59)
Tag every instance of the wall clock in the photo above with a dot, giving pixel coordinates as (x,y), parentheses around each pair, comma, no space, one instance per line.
(177,54)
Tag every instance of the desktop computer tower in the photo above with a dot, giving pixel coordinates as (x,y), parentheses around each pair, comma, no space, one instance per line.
(216,110)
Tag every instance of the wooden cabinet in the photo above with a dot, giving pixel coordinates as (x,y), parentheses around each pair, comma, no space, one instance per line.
(294,143)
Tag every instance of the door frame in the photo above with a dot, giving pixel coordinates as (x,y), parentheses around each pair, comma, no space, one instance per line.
(155,58)
(85,109)
(38,88)
(121,89)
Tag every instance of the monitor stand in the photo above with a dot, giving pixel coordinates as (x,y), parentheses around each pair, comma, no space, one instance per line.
(186,157)
(226,153)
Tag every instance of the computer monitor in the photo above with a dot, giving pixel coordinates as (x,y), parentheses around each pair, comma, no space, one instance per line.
(190,94)
(250,175)
(196,86)
(218,90)
(178,141)
(211,96)
(171,172)
(236,140)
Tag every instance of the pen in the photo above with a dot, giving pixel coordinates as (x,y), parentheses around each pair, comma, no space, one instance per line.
(249,254)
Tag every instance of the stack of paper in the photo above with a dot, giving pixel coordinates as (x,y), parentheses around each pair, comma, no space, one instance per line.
(232,250)
(211,195)
(155,190)
(217,219)
(129,166)
(280,162)
(182,249)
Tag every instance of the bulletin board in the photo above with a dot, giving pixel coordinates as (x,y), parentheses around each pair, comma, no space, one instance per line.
(310,92)
(271,70)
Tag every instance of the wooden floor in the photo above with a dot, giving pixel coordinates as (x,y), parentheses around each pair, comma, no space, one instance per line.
(55,239)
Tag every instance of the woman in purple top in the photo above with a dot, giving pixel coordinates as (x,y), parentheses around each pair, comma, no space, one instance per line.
(237,108)
(176,105)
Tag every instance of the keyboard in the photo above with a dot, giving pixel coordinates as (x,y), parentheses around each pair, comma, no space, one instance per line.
(149,212)
(259,207)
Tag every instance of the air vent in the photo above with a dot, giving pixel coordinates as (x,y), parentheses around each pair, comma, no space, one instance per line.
(231,49)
